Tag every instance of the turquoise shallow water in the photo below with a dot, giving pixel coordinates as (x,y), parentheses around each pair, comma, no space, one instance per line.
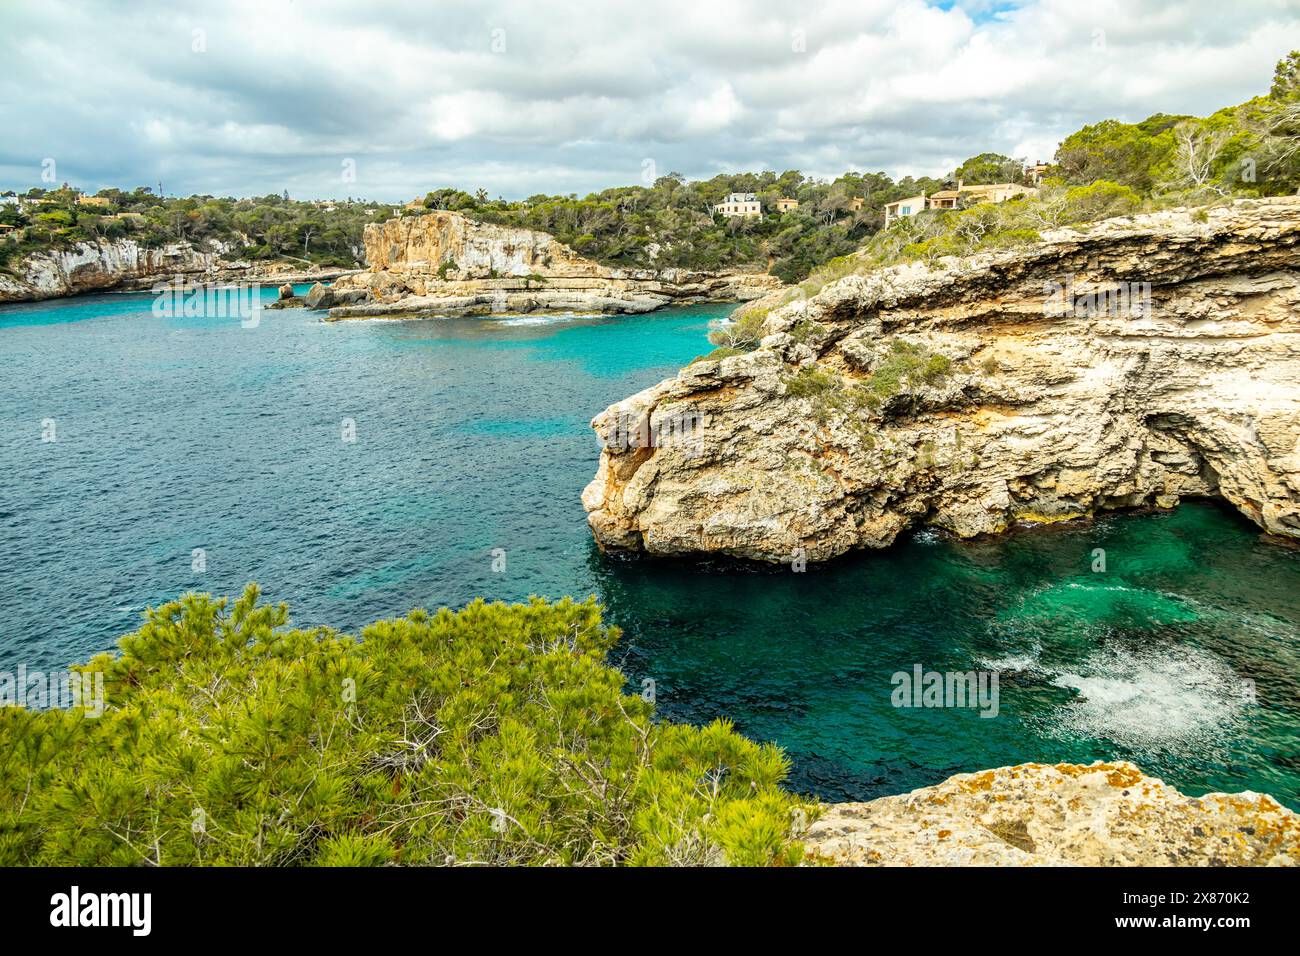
(471,435)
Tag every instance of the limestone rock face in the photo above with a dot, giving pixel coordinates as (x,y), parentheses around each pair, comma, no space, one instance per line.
(1104,814)
(1130,363)
(126,264)
(442,263)
(95,266)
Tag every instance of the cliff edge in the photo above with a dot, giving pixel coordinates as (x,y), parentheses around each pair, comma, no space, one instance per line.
(1130,363)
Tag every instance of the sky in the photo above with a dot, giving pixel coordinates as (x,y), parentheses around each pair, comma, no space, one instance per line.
(329,99)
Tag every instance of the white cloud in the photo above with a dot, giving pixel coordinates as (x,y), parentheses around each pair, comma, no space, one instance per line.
(519,97)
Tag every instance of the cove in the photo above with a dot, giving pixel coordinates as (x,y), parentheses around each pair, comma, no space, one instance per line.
(471,442)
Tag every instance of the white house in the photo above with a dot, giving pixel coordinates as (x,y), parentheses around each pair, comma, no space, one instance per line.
(904,208)
(745,205)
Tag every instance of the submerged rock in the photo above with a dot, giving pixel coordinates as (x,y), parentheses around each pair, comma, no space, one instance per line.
(1130,363)
(445,264)
(1104,814)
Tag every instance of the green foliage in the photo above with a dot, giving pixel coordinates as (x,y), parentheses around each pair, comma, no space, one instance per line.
(812,381)
(905,367)
(743,330)
(267,227)
(1100,200)
(806,329)
(989,168)
(1125,153)
(1286,77)
(1252,149)
(490,736)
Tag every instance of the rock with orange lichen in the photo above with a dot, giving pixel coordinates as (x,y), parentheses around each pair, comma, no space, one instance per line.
(1103,814)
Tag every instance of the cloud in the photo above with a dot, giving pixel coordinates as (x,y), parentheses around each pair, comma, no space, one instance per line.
(519,97)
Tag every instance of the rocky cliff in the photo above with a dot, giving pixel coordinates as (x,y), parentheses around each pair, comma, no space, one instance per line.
(1104,814)
(97,266)
(1131,363)
(126,264)
(442,263)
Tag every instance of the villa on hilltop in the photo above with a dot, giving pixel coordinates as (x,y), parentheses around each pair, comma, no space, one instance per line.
(744,205)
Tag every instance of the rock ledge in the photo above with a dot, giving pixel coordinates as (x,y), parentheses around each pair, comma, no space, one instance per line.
(1104,814)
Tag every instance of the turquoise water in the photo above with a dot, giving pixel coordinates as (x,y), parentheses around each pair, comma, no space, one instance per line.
(471,435)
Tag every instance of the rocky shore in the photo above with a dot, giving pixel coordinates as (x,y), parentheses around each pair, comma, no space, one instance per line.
(1130,363)
(126,265)
(443,264)
(1102,814)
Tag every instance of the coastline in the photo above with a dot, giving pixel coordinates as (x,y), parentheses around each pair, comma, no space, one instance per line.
(125,266)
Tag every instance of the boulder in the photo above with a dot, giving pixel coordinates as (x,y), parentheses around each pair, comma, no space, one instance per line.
(319,297)
(1102,814)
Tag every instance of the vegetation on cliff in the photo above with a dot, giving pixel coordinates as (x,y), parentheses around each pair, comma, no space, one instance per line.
(267,227)
(494,735)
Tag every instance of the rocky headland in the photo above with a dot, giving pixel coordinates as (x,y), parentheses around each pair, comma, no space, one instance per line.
(127,265)
(1102,814)
(444,264)
(1132,362)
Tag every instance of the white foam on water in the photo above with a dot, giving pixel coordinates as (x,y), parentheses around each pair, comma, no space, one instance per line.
(1153,699)
(536,320)
(1027,661)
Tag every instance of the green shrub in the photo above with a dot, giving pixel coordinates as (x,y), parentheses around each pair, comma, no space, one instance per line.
(494,735)
(1100,200)
(743,331)
(905,367)
(811,381)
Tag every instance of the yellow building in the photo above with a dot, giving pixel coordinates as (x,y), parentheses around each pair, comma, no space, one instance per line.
(785,205)
(993,192)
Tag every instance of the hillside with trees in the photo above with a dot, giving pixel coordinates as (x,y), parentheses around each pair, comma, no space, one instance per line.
(324,233)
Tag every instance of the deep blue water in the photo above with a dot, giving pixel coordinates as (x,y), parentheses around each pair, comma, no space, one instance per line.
(471,435)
